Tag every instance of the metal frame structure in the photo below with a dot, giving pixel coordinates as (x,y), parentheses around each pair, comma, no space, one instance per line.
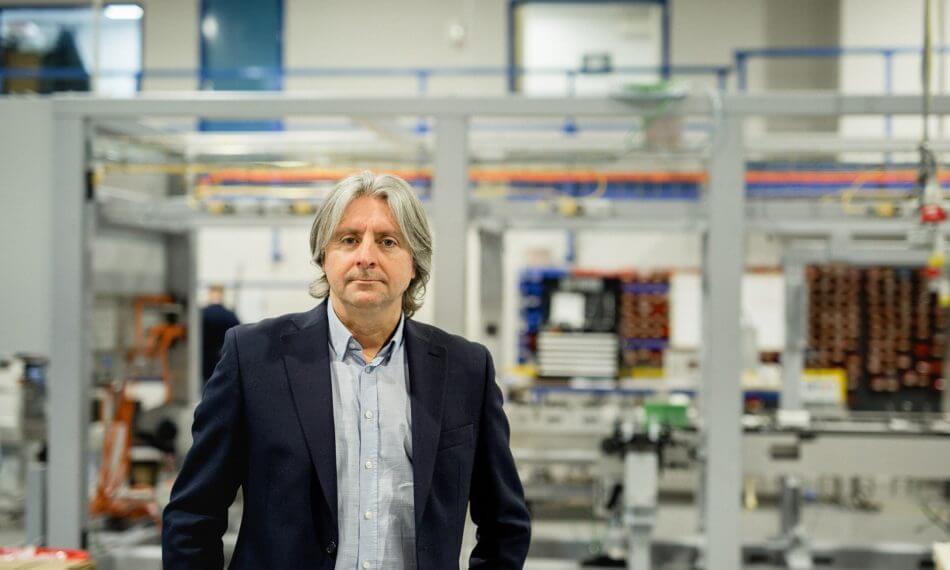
(724,217)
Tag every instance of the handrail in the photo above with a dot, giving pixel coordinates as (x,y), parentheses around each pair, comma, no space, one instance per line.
(742,56)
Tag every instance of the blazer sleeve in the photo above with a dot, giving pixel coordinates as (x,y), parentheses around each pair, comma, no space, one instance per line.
(197,514)
(497,498)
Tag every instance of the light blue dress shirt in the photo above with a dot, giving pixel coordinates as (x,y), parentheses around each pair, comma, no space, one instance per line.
(373,425)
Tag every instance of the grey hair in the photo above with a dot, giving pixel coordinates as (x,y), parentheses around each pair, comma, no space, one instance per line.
(409,214)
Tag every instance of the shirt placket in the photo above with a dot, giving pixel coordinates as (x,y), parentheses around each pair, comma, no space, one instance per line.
(369,466)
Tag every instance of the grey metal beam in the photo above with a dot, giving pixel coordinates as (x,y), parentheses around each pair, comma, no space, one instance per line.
(796,315)
(787,218)
(450,216)
(602,215)
(253,105)
(859,253)
(70,364)
(250,105)
(723,265)
(832,143)
(827,104)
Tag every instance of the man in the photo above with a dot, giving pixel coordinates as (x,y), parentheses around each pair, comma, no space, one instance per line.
(216,319)
(358,435)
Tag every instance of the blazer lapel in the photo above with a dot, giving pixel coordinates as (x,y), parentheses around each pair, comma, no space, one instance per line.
(426,391)
(307,359)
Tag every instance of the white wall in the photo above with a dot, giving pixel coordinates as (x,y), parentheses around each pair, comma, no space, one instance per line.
(171,42)
(707,33)
(879,23)
(379,33)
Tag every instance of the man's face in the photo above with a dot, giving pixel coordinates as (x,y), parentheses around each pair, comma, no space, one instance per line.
(367,261)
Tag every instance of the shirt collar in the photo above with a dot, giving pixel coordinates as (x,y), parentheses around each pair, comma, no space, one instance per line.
(341,339)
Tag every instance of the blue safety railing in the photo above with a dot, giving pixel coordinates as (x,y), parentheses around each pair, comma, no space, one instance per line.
(424,75)
(421,75)
(887,55)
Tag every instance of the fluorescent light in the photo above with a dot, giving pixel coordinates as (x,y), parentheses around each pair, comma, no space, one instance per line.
(209,27)
(123,12)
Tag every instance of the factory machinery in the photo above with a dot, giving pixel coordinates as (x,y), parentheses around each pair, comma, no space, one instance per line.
(618,454)
(603,426)
(577,442)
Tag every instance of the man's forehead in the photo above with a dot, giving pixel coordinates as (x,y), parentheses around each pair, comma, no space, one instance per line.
(364,213)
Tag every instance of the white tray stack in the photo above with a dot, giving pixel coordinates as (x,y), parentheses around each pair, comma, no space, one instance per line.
(578,354)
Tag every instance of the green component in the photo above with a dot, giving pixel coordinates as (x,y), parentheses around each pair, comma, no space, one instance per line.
(665,413)
(658,88)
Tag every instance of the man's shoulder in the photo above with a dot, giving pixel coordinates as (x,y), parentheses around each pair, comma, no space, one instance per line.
(271,326)
(452,342)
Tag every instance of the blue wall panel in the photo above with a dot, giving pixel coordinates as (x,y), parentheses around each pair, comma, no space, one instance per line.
(242,50)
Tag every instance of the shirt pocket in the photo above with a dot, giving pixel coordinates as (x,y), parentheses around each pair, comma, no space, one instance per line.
(462,435)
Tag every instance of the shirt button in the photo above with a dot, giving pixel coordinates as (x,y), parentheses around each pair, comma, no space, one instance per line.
(366,564)
(368,414)
(369,464)
(367,515)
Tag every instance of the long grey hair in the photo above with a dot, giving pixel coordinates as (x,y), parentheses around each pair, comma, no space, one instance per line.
(409,214)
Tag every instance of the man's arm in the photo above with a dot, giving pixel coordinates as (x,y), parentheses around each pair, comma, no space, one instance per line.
(197,515)
(497,498)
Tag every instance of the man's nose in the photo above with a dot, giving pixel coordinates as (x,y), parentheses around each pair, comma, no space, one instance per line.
(366,253)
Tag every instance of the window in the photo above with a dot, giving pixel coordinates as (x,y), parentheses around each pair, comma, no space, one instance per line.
(46,50)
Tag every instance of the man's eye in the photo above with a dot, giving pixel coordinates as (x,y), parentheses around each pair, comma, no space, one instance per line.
(389,242)
(348,240)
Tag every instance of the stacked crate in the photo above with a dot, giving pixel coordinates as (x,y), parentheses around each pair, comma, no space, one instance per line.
(642,322)
(882,325)
(531,309)
(644,319)
(834,331)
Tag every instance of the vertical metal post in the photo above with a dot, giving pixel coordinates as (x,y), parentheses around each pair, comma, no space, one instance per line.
(70,363)
(181,280)
(35,515)
(195,379)
(96,83)
(741,70)
(793,355)
(722,76)
(491,290)
(570,123)
(723,263)
(450,221)
(665,50)
(888,89)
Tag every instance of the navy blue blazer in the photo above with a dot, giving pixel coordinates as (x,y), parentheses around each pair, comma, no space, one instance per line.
(265,424)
